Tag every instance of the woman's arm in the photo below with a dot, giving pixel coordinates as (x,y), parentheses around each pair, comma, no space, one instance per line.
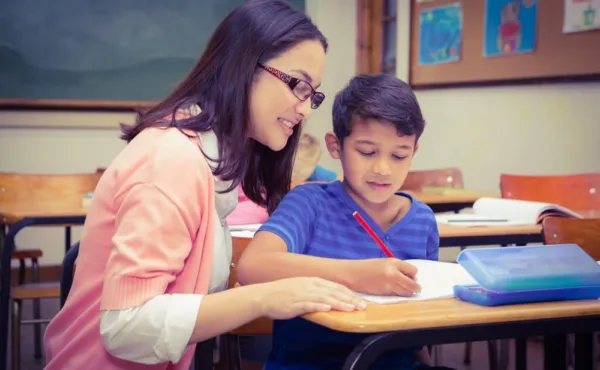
(161,329)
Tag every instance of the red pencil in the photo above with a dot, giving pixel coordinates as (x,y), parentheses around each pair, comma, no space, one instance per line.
(374,236)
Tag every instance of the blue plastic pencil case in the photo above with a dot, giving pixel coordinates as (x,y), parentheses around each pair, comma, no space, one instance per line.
(512,275)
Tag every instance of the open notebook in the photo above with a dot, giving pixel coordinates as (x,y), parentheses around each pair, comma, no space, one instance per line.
(502,211)
(437,280)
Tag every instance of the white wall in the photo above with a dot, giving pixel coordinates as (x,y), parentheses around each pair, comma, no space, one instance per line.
(485,131)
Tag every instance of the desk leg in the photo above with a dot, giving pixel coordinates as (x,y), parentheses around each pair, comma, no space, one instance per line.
(555,352)
(5,267)
(520,353)
(585,353)
(364,354)
(203,355)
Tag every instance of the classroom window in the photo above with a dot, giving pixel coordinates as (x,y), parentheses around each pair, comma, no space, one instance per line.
(376,44)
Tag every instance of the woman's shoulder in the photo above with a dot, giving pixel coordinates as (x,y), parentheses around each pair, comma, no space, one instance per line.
(161,155)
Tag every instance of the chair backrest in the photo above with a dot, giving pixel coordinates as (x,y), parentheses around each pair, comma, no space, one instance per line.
(583,232)
(68,269)
(261,326)
(39,188)
(443,177)
(579,192)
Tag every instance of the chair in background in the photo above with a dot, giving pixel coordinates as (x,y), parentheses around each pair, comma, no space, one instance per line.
(443,177)
(585,233)
(36,291)
(68,272)
(33,188)
(579,192)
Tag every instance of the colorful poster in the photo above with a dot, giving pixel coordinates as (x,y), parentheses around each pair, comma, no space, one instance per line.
(510,27)
(440,34)
(581,15)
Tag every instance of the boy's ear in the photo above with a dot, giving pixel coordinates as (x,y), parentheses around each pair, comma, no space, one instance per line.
(333,145)
(416,149)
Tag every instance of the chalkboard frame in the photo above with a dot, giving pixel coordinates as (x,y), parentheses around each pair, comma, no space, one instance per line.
(74,104)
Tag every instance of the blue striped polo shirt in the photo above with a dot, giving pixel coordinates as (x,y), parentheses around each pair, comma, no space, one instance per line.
(316,220)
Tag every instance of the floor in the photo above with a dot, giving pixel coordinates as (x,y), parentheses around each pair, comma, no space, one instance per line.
(452,354)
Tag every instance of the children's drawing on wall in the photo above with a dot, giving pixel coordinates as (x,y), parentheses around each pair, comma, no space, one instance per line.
(581,15)
(510,27)
(440,34)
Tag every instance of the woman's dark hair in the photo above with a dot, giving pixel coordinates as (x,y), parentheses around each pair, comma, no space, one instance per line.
(220,83)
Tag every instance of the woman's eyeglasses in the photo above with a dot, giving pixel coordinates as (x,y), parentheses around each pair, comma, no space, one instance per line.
(301,89)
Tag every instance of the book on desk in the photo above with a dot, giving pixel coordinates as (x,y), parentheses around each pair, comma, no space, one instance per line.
(506,212)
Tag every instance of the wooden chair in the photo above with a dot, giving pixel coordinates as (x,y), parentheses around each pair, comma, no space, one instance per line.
(443,177)
(30,188)
(585,233)
(229,356)
(579,192)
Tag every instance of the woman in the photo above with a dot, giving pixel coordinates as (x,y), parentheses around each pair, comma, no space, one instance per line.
(155,241)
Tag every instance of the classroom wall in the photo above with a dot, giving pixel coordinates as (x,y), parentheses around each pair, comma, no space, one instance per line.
(485,131)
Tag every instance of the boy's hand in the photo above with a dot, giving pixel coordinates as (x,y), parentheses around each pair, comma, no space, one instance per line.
(385,276)
(288,298)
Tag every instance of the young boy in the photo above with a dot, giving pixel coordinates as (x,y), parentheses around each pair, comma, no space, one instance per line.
(377,123)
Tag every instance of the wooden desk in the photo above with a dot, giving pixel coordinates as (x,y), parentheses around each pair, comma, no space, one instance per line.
(379,318)
(451,202)
(458,236)
(452,321)
(13,212)
(461,236)
(17,216)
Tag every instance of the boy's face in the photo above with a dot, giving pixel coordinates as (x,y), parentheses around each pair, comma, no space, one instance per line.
(375,159)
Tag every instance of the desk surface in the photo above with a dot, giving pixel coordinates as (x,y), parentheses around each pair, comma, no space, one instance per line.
(13,212)
(445,312)
(432,198)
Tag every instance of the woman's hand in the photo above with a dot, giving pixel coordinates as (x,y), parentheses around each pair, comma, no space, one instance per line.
(288,298)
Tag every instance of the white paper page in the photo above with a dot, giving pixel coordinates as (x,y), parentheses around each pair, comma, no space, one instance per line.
(437,280)
(473,220)
(251,227)
(243,234)
(518,211)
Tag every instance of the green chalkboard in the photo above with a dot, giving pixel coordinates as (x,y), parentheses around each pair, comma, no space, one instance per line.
(107,54)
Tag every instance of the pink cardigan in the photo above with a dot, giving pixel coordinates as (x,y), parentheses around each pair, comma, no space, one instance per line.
(149,231)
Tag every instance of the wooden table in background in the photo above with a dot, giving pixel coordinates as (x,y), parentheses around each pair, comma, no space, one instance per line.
(16,216)
(452,201)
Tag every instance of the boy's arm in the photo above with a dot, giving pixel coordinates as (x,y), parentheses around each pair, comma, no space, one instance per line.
(277,250)
(267,258)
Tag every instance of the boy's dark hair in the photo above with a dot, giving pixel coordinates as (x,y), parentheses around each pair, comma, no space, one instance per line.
(381,97)
(220,83)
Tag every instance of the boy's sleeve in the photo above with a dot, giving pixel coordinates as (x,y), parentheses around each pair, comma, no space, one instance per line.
(433,242)
(294,218)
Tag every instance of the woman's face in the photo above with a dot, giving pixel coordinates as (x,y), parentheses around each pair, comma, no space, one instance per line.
(275,109)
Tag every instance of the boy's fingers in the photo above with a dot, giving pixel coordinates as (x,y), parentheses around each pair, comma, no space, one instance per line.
(406,268)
